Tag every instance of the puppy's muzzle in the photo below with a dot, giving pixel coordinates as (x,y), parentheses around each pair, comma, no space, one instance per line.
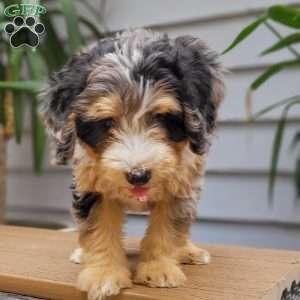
(138,176)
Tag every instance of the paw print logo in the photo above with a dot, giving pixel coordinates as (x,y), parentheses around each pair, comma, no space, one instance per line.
(24,32)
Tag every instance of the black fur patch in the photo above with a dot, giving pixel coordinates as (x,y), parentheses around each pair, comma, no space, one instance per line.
(92,132)
(83,202)
(174,126)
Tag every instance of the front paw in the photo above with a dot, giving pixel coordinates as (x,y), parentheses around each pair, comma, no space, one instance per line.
(76,256)
(191,254)
(103,282)
(159,273)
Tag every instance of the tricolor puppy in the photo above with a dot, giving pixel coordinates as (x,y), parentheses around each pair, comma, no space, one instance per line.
(135,114)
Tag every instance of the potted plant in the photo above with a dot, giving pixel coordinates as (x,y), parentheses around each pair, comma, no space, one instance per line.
(288,16)
(24,69)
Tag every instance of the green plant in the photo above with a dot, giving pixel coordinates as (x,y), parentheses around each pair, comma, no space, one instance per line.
(23,70)
(290,17)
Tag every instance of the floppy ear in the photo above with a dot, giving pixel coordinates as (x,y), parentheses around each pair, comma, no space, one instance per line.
(202,89)
(60,95)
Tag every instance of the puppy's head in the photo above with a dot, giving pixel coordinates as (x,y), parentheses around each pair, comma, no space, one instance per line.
(135,113)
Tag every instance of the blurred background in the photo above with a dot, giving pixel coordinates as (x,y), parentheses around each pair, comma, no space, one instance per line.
(243,201)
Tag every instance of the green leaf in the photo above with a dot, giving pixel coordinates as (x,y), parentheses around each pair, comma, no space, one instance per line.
(69,9)
(82,20)
(274,106)
(245,33)
(283,43)
(97,17)
(297,177)
(271,71)
(51,47)
(275,154)
(2,25)
(280,37)
(295,140)
(38,137)
(28,86)
(1,11)
(93,28)
(37,65)
(38,72)
(15,64)
(286,15)
(277,146)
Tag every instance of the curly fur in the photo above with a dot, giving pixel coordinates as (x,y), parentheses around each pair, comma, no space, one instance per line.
(138,100)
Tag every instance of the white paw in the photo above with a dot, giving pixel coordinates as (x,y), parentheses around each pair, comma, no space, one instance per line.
(191,254)
(76,255)
(101,283)
(107,288)
(205,257)
(159,273)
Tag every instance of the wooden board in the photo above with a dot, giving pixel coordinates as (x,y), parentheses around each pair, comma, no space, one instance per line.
(35,262)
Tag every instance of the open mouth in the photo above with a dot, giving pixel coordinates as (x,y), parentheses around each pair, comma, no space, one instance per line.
(140,192)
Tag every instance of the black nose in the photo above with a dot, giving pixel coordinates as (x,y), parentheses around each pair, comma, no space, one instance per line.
(138,176)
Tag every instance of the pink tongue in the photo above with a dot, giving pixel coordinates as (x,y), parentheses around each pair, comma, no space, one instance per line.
(141,193)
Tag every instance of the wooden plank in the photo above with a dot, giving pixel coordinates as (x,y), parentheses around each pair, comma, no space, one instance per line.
(35,262)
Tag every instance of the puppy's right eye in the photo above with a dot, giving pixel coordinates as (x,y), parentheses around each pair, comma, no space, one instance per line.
(174,126)
(93,132)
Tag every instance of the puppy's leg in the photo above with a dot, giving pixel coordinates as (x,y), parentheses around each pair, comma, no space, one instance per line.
(159,265)
(105,271)
(193,255)
(182,213)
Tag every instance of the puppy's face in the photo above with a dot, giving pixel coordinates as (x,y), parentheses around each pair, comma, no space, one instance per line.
(139,122)
(137,144)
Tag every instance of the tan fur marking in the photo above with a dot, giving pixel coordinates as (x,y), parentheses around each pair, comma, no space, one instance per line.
(164,103)
(105,265)
(104,107)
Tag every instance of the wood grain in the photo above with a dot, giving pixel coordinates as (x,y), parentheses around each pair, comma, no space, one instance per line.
(35,262)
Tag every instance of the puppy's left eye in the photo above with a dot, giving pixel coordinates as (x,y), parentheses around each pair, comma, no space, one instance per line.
(93,132)
(174,125)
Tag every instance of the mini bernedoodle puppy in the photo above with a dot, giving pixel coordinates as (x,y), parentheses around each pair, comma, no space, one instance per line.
(135,114)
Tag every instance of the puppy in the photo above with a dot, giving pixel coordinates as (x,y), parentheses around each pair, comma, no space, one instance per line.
(135,114)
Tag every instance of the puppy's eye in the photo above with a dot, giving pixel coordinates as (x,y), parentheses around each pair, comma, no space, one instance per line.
(92,132)
(174,125)
(107,123)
